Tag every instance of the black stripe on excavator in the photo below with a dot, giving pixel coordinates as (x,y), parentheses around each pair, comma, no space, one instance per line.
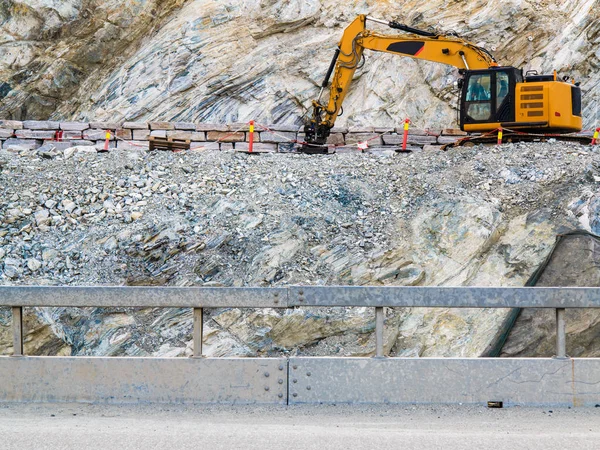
(407,48)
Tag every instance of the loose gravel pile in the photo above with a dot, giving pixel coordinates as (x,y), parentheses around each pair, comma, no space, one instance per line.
(231,219)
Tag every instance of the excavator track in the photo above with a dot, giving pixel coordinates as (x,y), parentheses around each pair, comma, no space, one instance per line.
(515,137)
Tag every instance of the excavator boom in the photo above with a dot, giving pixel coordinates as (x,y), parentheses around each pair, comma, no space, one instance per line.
(449,50)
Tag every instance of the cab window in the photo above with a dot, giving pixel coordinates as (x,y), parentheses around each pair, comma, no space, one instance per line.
(501,88)
(479,97)
(479,88)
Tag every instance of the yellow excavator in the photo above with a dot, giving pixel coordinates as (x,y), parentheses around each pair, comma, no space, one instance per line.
(492,96)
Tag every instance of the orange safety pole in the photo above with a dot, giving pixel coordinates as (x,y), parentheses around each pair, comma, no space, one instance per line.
(500,136)
(251,140)
(106,143)
(405,137)
(596,135)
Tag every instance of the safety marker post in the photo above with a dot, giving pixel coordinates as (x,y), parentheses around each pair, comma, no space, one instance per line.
(251,140)
(596,135)
(500,133)
(405,137)
(107,142)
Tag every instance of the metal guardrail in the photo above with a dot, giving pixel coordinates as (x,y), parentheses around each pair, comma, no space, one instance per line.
(297,296)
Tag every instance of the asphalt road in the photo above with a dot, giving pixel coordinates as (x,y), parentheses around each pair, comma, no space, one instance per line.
(164,427)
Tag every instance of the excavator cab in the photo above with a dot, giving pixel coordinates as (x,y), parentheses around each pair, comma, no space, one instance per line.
(488,97)
(503,97)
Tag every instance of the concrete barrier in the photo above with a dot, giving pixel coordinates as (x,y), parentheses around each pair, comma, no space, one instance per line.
(515,382)
(143,380)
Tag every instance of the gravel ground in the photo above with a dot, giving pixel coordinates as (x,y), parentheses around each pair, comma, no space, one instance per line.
(221,218)
(308,427)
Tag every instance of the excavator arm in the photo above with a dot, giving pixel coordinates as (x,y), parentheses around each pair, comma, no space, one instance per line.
(451,50)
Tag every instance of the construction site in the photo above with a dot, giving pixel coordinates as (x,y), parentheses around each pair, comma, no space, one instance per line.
(276,145)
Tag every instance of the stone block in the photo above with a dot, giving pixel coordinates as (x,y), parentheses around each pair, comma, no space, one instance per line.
(432,148)
(132,145)
(343,130)
(159,133)
(284,127)
(30,144)
(105,125)
(225,136)
(212,127)
(100,145)
(384,151)
(141,135)
(336,139)
(418,132)
(11,124)
(258,147)
(74,126)
(447,139)
(81,143)
(188,126)
(5,134)
(35,134)
(371,138)
(361,130)
(195,136)
(72,135)
(162,126)
(453,132)
(96,135)
(381,130)
(277,137)
(256,136)
(225,146)
(241,126)
(61,146)
(41,125)
(214,146)
(396,139)
(124,133)
(136,125)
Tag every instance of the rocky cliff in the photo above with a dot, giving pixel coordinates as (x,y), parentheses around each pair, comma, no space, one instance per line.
(235,60)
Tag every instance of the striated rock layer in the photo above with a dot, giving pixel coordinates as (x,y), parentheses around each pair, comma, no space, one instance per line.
(236,60)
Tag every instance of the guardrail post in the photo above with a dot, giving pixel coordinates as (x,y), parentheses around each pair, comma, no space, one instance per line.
(198,329)
(561,333)
(17,326)
(379,332)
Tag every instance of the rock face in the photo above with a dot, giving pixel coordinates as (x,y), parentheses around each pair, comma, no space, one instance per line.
(573,262)
(470,216)
(236,60)
(49,48)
